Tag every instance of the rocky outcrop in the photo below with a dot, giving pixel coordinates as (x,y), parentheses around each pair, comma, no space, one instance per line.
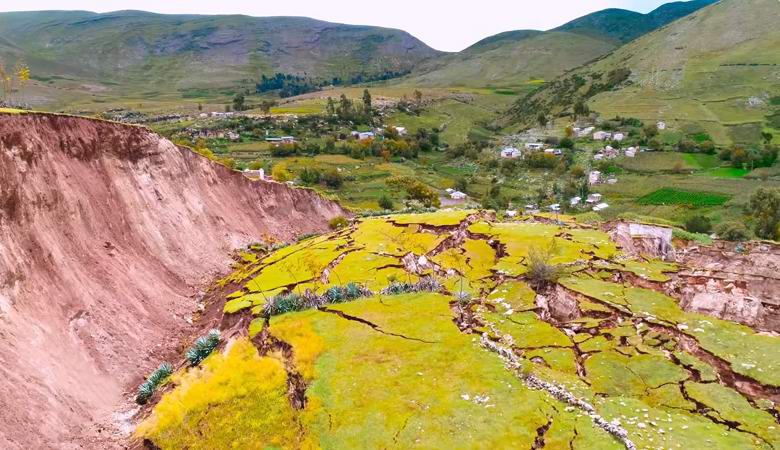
(106,231)
(739,282)
(638,239)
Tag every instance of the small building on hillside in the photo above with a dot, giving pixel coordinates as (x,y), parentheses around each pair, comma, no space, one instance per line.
(259,173)
(458,195)
(534,146)
(401,131)
(661,125)
(598,156)
(612,180)
(288,140)
(511,213)
(610,152)
(593,199)
(531,209)
(602,135)
(583,132)
(574,201)
(511,153)
(631,152)
(365,135)
(600,207)
(233,136)
(555,207)
(594,177)
(619,136)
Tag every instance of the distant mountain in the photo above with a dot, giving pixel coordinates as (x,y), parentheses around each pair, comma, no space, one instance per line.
(515,58)
(624,26)
(714,71)
(134,51)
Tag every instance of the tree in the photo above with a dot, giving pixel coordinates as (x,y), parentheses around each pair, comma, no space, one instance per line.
(541,119)
(385,202)
(309,176)
(200,106)
(732,231)
(698,224)
(415,190)
(567,143)
(366,101)
(418,98)
(461,184)
(330,107)
(280,173)
(266,105)
(581,109)
(333,178)
(238,102)
(764,207)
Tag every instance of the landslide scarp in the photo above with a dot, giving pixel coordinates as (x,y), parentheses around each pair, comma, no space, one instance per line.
(106,233)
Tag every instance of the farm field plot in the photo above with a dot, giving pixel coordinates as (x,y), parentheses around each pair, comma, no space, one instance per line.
(670,196)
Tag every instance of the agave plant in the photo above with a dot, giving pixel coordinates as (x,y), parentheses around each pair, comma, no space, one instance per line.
(147,388)
(203,347)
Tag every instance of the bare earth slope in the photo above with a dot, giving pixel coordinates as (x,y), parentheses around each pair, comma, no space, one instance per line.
(105,233)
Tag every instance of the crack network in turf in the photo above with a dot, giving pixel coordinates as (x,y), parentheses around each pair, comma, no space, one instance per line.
(373,326)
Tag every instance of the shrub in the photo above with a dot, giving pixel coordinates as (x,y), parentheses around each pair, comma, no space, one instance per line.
(385,202)
(337,223)
(333,179)
(540,269)
(733,231)
(280,173)
(426,284)
(203,347)
(351,291)
(310,176)
(147,388)
(764,206)
(291,302)
(698,224)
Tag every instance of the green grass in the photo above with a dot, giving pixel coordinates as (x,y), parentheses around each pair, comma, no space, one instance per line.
(727,172)
(670,196)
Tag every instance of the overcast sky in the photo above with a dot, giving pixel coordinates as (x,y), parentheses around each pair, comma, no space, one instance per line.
(449,25)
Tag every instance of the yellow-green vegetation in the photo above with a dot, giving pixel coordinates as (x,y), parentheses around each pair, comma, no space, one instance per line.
(401,368)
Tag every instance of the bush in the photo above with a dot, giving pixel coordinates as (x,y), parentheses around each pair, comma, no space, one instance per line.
(203,347)
(291,302)
(310,176)
(147,388)
(333,179)
(540,269)
(427,284)
(764,207)
(698,224)
(733,231)
(338,223)
(385,203)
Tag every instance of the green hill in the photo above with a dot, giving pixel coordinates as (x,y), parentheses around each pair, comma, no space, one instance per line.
(132,52)
(623,25)
(515,58)
(714,71)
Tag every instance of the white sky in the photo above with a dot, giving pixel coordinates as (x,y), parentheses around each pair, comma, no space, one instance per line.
(449,25)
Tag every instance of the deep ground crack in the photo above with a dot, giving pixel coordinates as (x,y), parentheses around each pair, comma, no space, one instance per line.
(374,326)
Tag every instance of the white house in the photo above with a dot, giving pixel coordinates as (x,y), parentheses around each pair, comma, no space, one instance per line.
(593,198)
(511,213)
(203,115)
(555,207)
(610,152)
(618,137)
(449,190)
(631,152)
(594,177)
(601,135)
(259,173)
(574,201)
(661,125)
(233,136)
(534,146)
(365,135)
(510,152)
(598,156)
(531,209)
(400,130)
(458,195)
(288,140)
(600,207)
(611,180)
(581,133)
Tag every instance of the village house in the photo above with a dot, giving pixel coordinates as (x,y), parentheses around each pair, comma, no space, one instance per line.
(631,152)
(600,207)
(583,132)
(610,152)
(531,209)
(602,135)
(233,136)
(259,174)
(598,156)
(511,213)
(661,125)
(401,131)
(612,180)
(594,177)
(534,146)
(574,201)
(458,195)
(288,140)
(593,198)
(364,135)
(510,152)
(618,137)
(556,207)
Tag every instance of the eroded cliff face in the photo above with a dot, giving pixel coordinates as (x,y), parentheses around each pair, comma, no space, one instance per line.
(106,231)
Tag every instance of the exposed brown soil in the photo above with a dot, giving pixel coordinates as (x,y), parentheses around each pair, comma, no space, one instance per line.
(106,233)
